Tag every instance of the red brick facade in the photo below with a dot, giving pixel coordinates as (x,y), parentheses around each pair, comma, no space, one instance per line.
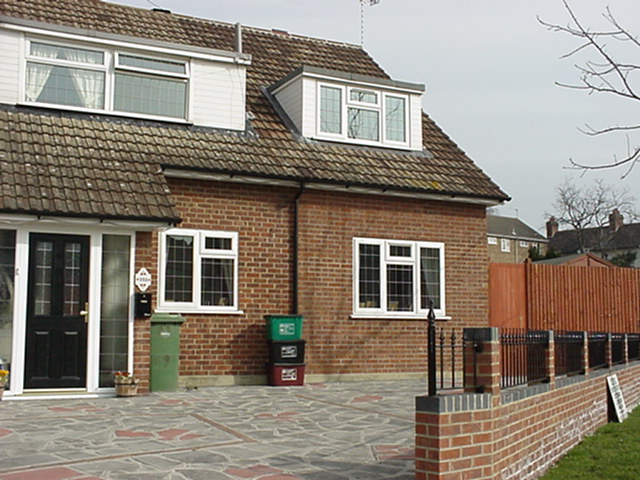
(263,216)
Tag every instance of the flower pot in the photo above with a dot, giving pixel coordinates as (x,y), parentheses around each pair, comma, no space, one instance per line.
(126,388)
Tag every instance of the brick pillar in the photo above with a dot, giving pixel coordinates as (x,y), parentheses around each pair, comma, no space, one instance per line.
(551,360)
(625,346)
(585,352)
(608,350)
(482,360)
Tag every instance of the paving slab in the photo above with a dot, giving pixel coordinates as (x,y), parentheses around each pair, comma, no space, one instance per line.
(335,431)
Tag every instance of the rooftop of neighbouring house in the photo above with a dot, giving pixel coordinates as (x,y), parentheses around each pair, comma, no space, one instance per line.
(510,227)
(63,163)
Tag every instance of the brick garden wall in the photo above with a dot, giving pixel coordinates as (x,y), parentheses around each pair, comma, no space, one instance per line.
(516,434)
(234,345)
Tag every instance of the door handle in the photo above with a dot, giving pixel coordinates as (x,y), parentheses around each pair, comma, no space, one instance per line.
(85,312)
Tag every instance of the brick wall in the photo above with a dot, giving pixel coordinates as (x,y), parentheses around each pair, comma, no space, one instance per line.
(516,434)
(214,345)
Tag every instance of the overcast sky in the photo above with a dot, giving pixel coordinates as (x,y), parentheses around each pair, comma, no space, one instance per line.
(490,70)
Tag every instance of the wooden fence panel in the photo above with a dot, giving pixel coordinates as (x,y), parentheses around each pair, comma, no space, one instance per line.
(561,297)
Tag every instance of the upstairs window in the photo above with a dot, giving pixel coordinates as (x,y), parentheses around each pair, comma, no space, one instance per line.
(362,115)
(106,80)
(398,278)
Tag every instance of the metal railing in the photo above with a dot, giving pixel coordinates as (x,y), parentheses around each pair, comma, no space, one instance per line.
(617,348)
(633,346)
(597,343)
(523,357)
(568,353)
(450,370)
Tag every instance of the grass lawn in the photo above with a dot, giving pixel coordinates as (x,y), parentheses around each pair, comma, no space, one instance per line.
(613,453)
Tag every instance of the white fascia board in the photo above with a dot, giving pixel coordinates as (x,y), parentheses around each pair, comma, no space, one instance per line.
(21,219)
(226,177)
(122,41)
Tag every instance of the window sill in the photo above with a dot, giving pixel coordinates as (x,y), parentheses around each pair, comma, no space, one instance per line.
(202,311)
(409,316)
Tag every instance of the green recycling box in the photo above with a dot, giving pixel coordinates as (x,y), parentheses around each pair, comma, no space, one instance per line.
(165,351)
(284,327)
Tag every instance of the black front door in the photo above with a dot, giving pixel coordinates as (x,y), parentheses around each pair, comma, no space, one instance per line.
(56,348)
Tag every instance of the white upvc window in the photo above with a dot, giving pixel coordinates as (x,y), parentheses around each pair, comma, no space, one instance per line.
(524,244)
(106,80)
(362,115)
(398,278)
(492,240)
(505,245)
(198,271)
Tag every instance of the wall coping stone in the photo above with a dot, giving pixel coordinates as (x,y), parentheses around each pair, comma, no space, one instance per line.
(520,393)
(453,403)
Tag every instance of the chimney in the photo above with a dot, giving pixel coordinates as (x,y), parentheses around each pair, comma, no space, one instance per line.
(615,220)
(239,37)
(552,227)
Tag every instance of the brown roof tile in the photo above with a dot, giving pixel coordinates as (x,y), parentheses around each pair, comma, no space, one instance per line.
(108,167)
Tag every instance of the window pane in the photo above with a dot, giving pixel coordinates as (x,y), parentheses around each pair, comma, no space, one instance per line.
(430,277)
(369,276)
(7,268)
(150,95)
(365,96)
(114,307)
(400,251)
(64,86)
(179,269)
(72,270)
(364,124)
(67,53)
(330,110)
(215,243)
(395,119)
(400,288)
(217,282)
(152,64)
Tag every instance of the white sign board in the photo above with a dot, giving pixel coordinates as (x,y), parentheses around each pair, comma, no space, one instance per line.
(143,279)
(616,395)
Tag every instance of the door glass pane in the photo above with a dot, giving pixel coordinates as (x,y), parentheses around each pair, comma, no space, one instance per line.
(217,282)
(150,95)
(330,110)
(42,278)
(7,268)
(179,269)
(400,288)
(72,278)
(114,309)
(369,276)
(364,124)
(430,277)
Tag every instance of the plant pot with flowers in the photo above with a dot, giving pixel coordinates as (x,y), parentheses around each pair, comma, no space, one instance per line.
(126,384)
(4,379)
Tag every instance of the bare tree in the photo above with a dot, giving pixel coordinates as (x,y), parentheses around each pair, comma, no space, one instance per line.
(607,74)
(586,209)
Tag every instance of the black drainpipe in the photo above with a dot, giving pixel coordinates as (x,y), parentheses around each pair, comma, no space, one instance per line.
(296,203)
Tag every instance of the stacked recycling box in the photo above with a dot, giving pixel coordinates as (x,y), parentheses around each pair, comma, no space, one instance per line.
(286,350)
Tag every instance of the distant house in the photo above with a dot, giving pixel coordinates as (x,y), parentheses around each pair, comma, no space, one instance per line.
(616,242)
(509,239)
(231,172)
(577,260)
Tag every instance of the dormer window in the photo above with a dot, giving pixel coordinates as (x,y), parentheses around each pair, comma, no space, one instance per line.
(350,108)
(371,116)
(106,80)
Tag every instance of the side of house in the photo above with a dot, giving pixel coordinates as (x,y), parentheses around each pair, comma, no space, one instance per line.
(509,240)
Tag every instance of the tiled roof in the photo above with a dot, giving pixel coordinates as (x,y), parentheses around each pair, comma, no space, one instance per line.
(597,239)
(269,150)
(511,227)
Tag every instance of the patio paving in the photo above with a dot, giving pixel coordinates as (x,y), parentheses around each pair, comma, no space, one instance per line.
(336,431)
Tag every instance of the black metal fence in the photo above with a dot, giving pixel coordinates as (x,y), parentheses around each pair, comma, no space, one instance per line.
(449,359)
(617,348)
(523,357)
(568,352)
(597,343)
(633,346)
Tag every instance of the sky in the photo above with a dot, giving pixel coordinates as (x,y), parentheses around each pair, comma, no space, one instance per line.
(490,70)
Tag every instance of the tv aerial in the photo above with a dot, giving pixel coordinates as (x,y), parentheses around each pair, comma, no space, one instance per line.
(371,3)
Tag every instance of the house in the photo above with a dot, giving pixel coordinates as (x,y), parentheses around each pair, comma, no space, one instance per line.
(617,242)
(231,173)
(578,260)
(510,239)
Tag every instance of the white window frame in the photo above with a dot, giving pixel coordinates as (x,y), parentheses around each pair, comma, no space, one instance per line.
(524,244)
(110,67)
(199,252)
(386,258)
(379,107)
(492,240)
(505,245)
